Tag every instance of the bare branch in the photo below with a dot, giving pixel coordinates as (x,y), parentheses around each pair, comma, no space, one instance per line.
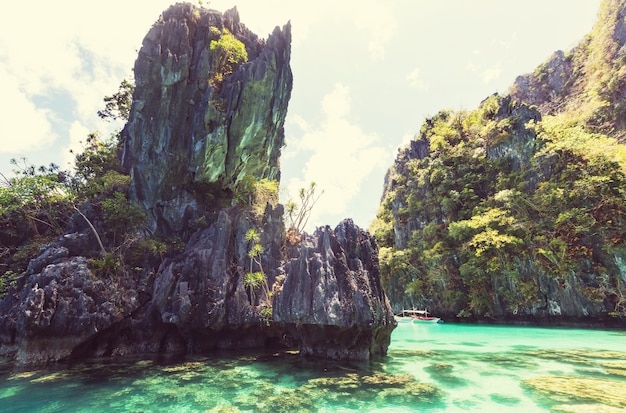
(102,250)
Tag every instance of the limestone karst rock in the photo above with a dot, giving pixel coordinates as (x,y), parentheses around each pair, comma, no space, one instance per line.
(472,220)
(588,81)
(199,297)
(194,129)
(202,127)
(63,306)
(332,300)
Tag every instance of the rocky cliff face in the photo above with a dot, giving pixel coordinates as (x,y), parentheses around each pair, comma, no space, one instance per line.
(502,213)
(332,298)
(328,299)
(198,134)
(62,306)
(587,81)
(508,138)
(196,130)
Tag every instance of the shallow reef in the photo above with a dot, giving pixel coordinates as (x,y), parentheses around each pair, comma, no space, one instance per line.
(241,384)
(444,373)
(604,391)
(442,378)
(587,408)
(603,388)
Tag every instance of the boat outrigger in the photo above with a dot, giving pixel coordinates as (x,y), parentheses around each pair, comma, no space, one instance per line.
(417,316)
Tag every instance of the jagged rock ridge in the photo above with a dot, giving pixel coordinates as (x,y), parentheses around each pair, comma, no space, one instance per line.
(332,297)
(588,81)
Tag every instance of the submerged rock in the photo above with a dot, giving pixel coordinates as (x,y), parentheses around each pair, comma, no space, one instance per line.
(576,389)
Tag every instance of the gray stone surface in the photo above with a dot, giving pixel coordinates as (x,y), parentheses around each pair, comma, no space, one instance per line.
(188,136)
(332,300)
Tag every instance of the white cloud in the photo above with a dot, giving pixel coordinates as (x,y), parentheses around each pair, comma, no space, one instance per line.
(416,80)
(486,74)
(375,19)
(472,67)
(336,105)
(300,122)
(78,136)
(26,127)
(340,157)
(407,138)
(491,73)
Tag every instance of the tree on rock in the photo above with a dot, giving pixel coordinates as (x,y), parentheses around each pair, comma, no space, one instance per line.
(228,53)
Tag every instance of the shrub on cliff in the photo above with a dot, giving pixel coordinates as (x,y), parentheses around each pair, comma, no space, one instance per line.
(297,213)
(37,196)
(256,279)
(228,53)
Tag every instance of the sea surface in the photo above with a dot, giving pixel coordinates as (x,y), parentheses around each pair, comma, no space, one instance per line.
(429,368)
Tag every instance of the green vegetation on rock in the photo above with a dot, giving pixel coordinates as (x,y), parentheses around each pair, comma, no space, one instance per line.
(504,205)
(228,53)
(518,208)
(298,213)
(256,279)
(37,203)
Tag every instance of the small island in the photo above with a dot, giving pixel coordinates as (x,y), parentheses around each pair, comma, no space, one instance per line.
(168,238)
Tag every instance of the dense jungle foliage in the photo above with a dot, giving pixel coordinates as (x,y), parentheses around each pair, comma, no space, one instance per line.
(502,199)
(518,207)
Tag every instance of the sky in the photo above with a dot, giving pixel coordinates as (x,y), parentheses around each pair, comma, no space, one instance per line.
(366,75)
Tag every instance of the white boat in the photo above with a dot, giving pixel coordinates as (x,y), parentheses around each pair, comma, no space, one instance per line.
(417,316)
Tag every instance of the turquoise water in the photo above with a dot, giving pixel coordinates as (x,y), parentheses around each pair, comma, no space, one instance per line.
(430,368)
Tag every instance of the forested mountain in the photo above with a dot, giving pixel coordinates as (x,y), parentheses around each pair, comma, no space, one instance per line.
(517,210)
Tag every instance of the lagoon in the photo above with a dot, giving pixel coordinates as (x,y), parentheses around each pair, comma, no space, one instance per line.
(429,368)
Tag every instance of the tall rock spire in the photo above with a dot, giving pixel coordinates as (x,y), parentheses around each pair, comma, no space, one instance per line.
(197,127)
